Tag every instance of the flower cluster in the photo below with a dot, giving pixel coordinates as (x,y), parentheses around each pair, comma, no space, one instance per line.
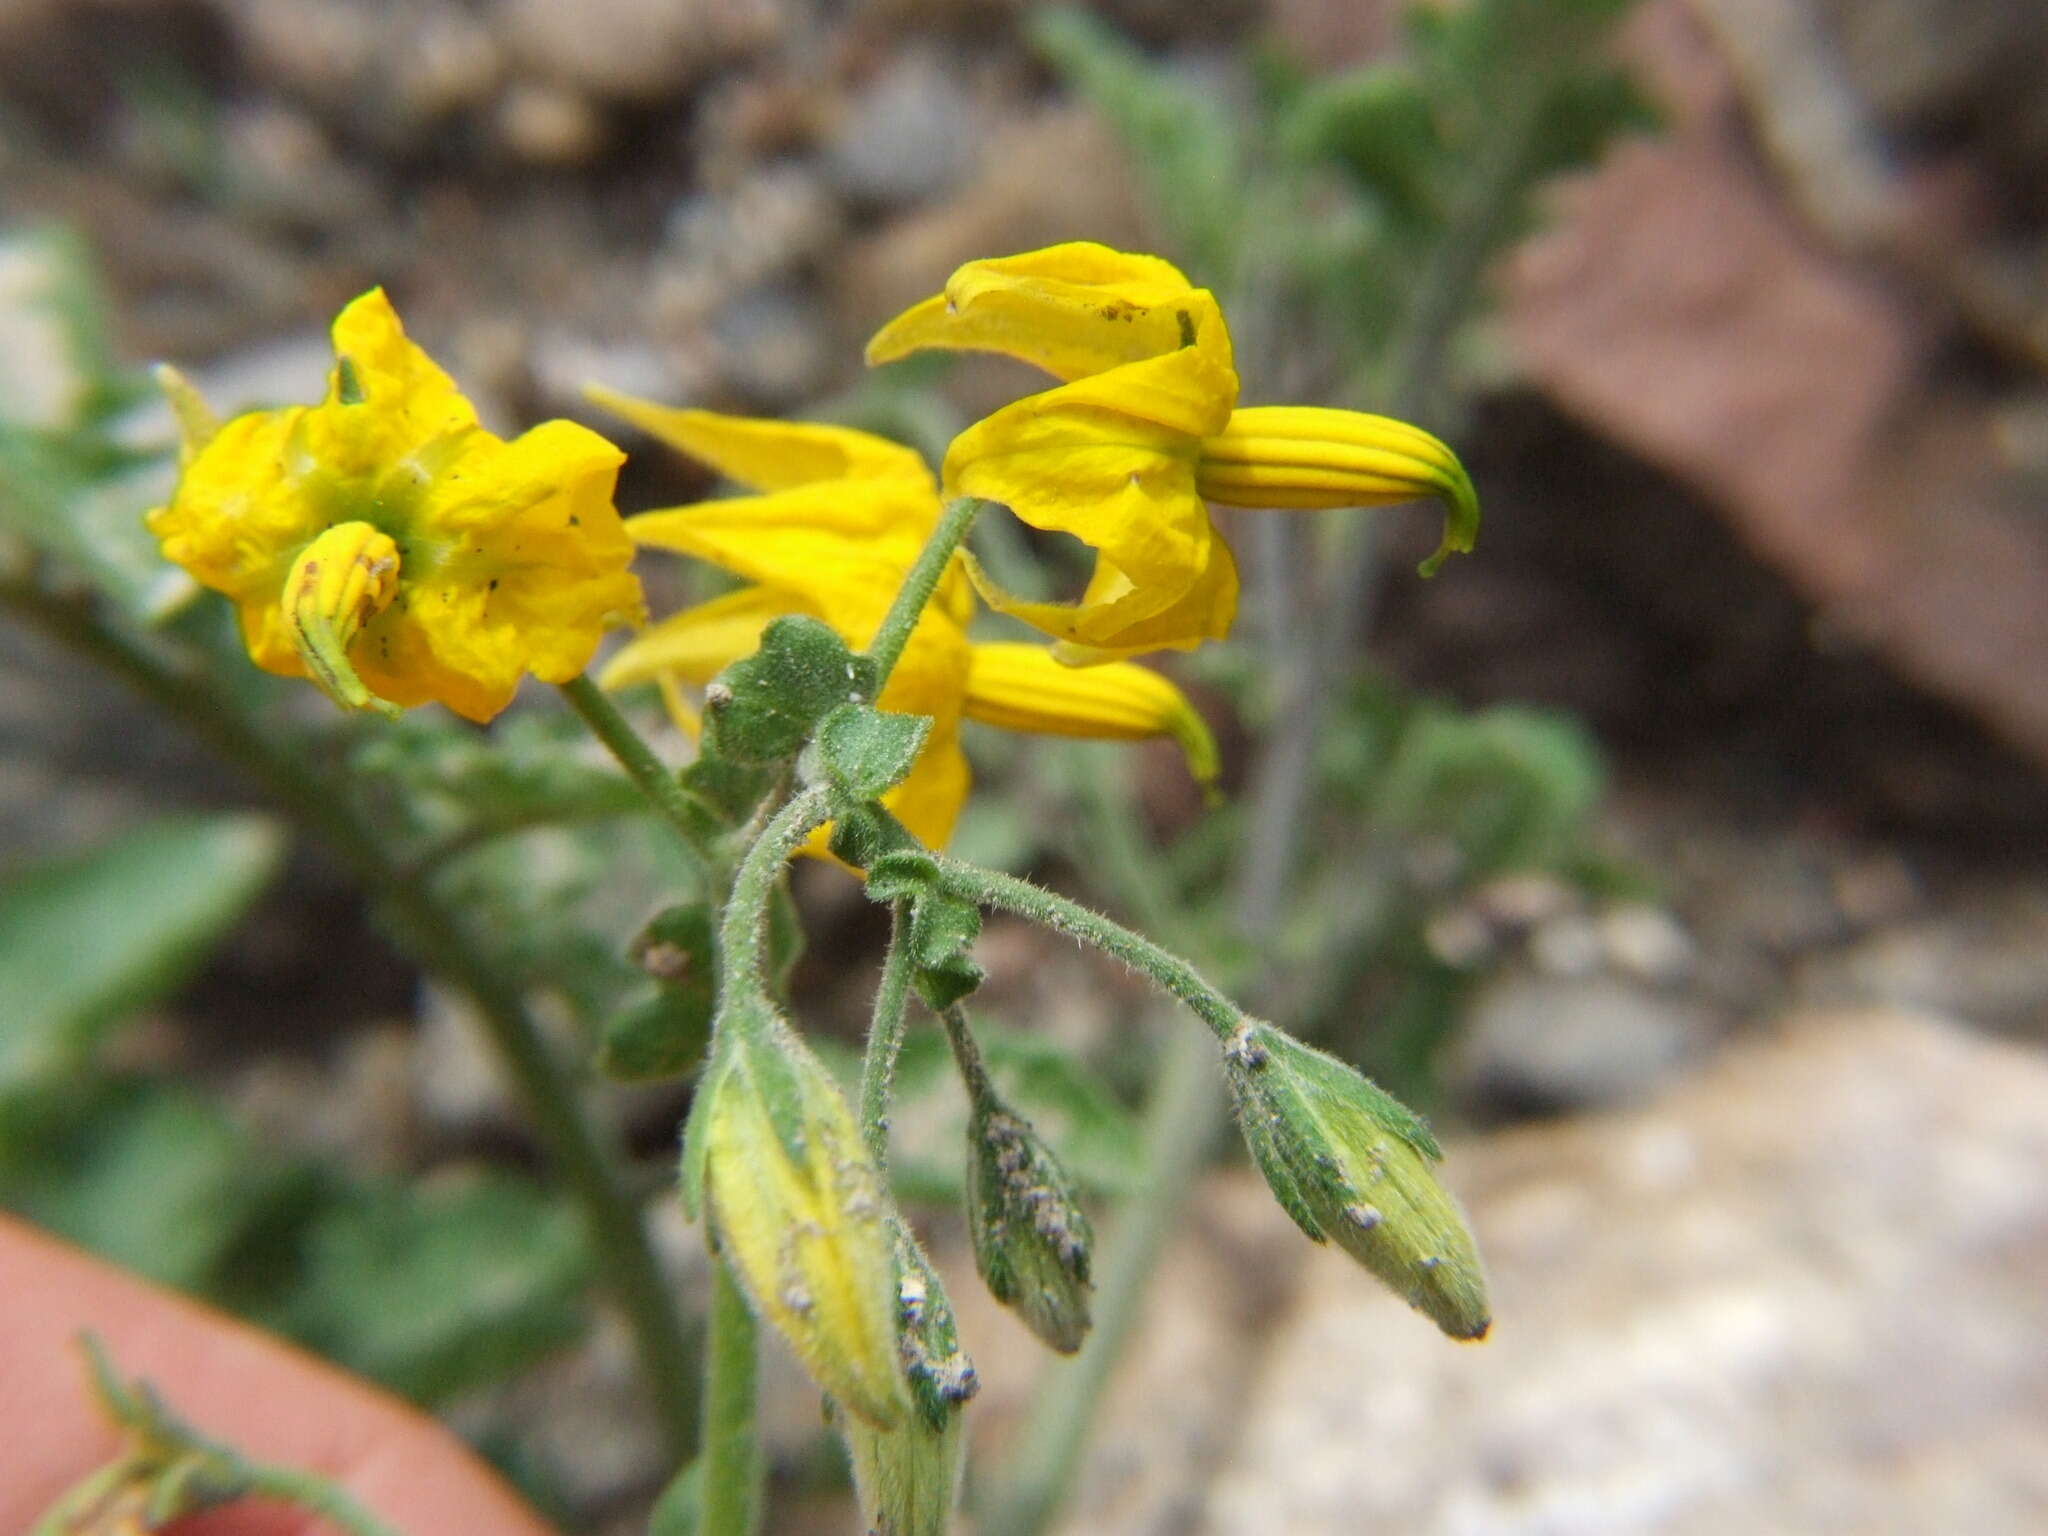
(385,545)
(388,547)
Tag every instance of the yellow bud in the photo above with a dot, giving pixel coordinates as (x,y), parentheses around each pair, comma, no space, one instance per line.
(1305,456)
(801,1214)
(341,581)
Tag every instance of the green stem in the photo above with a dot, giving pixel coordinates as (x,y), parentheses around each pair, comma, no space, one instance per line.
(967,1056)
(316,1495)
(647,771)
(1161,967)
(885,1039)
(734,1469)
(743,930)
(438,939)
(923,579)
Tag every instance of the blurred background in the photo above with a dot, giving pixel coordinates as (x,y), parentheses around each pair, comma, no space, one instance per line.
(1681,852)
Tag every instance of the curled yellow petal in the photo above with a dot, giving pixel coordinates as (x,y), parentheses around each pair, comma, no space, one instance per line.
(1024,688)
(1117,617)
(1302,456)
(343,579)
(767,455)
(1074,310)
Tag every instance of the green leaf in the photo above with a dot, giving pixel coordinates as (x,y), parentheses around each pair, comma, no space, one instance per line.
(87,940)
(1183,139)
(727,791)
(665,1035)
(676,1512)
(438,1289)
(864,751)
(147,1175)
(762,708)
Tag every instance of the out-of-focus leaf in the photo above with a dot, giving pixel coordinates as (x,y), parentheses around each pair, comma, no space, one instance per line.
(437,1289)
(1510,786)
(676,1511)
(147,1175)
(1183,139)
(86,941)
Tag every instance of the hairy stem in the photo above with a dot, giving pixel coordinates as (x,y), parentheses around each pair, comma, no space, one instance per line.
(734,1469)
(437,938)
(743,930)
(885,1039)
(918,585)
(1162,968)
(648,773)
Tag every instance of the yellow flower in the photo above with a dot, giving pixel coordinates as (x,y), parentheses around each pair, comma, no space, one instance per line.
(841,518)
(1145,427)
(387,546)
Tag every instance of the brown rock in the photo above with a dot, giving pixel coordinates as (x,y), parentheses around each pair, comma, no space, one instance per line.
(1680,308)
(1800,1293)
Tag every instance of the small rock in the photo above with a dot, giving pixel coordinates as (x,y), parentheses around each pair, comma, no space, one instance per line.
(910,135)
(1570,945)
(760,229)
(545,124)
(1876,888)
(643,51)
(772,342)
(1460,937)
(1987,964)
(1524,900)
(1547,1043)
(1646,942)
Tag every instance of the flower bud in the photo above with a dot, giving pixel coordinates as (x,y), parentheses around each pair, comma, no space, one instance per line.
(908,1478)
(801,1214)
(1351,1164)
(1031,1237)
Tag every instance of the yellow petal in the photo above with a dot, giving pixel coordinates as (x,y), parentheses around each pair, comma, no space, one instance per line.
(1073,310)
(699,643)
(1115,619)
(1111,460)
(771,455)
(237,519)
(1295,456)
(842,535)
(1023,688)
(386,398)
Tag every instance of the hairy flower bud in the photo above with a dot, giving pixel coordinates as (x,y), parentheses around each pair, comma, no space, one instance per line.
(1031,1237)
(801,1214)
(908,1478)
(1351,1164)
